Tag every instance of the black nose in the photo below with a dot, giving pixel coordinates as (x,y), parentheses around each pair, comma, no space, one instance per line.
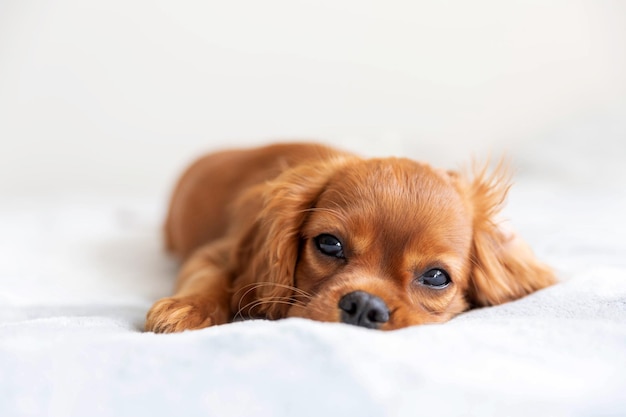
(363,309)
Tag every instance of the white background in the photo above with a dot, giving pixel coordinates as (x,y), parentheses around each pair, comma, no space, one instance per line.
(115,97)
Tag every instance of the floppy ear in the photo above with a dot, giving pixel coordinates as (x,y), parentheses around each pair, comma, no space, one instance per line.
(268,251)
(503,265)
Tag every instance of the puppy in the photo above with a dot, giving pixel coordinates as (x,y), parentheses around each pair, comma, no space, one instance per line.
(304,230)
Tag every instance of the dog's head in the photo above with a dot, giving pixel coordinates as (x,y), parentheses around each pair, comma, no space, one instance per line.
(381,243)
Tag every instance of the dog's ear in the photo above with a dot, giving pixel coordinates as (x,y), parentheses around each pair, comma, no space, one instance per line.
(268,250)
(503,266)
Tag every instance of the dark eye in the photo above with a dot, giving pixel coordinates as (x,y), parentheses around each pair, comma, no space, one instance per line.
(435,278)
(329,245)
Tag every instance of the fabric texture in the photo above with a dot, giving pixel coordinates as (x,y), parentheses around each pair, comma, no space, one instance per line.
(77,276)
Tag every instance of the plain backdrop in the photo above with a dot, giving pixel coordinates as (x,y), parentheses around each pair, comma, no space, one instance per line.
(115,97)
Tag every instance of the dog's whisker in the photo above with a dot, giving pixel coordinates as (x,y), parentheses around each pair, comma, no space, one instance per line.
(252,288)
(260,303)
(256,285)
(268,300)
(254,303)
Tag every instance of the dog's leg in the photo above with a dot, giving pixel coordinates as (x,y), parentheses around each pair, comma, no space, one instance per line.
(202,296)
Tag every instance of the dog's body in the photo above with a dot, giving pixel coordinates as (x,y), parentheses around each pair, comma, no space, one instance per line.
(305,230)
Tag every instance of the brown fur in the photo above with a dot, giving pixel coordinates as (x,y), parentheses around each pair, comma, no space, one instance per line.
(244,221)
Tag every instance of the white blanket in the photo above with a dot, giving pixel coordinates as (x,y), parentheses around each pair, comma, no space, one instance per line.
(78,275)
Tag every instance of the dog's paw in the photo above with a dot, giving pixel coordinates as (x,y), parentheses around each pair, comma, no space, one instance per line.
(170,315)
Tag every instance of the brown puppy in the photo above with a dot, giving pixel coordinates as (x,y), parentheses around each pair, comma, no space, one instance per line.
(303,230)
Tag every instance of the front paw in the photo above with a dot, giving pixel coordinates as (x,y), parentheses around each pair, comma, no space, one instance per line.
(169,315)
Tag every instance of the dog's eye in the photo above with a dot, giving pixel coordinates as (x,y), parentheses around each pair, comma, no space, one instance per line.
(329,245)
(436,278)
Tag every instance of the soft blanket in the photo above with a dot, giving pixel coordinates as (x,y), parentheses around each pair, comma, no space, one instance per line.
(77,276)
